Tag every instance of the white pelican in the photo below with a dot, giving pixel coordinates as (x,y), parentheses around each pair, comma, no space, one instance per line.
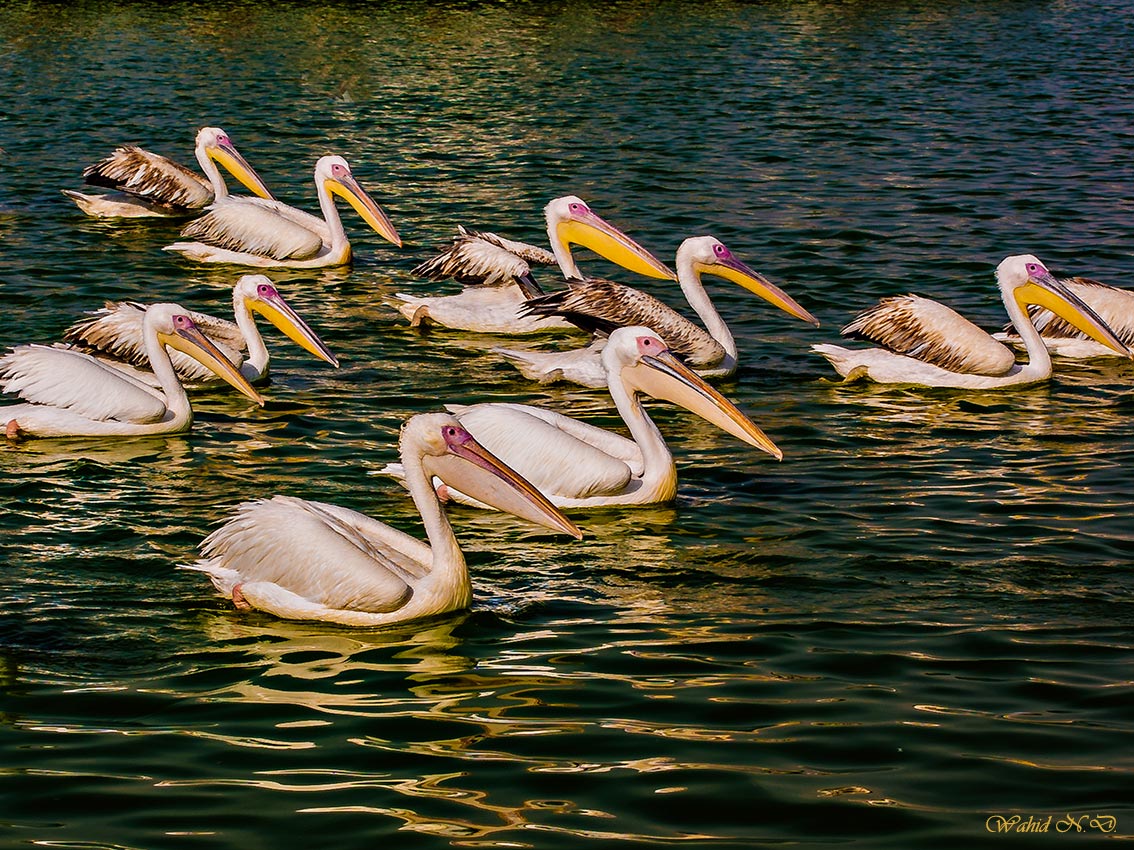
(115,332)
(150,185)
(497,271)
(71,394)
(929,344)
(1113,305)
(601,306)
(305,560)
(577,465)
(256,232)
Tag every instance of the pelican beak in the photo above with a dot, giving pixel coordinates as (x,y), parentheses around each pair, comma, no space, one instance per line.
(475,471)
(732,269)
(188,339)
(1045,290)
(349,189)
(229,157)
(277,311)
(665,377)
(591,231)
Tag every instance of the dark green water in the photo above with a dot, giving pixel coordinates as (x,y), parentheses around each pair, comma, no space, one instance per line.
(919,620)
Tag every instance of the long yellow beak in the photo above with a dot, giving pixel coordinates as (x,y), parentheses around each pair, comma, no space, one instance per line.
(272,306)
(188,339)
(230,158)
(665,377)
(733,269)
(349,189)
(1045,290)
(591,231)
(475,471)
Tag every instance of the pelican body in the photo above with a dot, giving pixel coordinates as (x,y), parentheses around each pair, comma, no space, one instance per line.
(1113,305)
(577,465)
(497,272)
(928,344)
(148,185)
(270,234)
(115,332)
(305,560)
(600,306)
(72,394)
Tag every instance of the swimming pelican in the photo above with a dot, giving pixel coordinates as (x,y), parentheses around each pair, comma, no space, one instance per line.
(927,343)
(577,465)
(150,185)
(115,332)
(601,305)
(497,271)
(1113,305)
(313,561)
(256,232)
(71,394)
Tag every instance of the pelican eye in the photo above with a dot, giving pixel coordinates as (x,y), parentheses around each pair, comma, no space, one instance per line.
(339,170)
(720,250)
(182,321)
(1035,268)
(265,289)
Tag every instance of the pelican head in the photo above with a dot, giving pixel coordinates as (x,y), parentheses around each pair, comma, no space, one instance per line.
(214,143)
(1028,281)
(570,221)
(256,292)
(708,255)
(647,365)
(448,451)
(334,173)
(176,330)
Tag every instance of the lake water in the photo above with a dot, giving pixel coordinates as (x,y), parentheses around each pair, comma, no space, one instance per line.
(917,622)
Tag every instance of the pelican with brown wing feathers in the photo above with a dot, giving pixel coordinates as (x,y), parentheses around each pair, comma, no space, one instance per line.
(928,344)
(600,306)
(497,274)
(148,185)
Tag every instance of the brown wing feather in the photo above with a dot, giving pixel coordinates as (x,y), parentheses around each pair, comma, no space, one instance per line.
(933,333)
(530,254)
(150,176)
(600,305)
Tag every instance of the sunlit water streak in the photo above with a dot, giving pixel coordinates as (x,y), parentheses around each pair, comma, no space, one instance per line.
(920,618)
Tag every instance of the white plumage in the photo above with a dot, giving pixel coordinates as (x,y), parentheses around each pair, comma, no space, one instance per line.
(314,561)
(929,344)
(578,465)
(256,232)
(496,272)
(1113,305)
(149,185)
(601,306)
(71,394)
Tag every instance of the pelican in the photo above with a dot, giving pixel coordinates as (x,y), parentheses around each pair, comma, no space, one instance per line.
(115,332)
(577,465)
(256,232)
(149,185)
(601,305)
(1113,305)
(503,268)
(927,343)
(305,560)
(71,394)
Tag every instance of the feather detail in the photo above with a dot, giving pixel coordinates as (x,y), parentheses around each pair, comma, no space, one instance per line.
(929,331)
(600,306)
(150,176)
(254,229)
(479,258)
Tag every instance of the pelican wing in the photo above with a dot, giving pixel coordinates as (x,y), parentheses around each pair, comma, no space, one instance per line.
(326,554)
(474,260)
(548,450)
(929,331)
(115,330)
(69,379)
(254,229)
(150,176)
(600,306)
(1115,307)
(533,255)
